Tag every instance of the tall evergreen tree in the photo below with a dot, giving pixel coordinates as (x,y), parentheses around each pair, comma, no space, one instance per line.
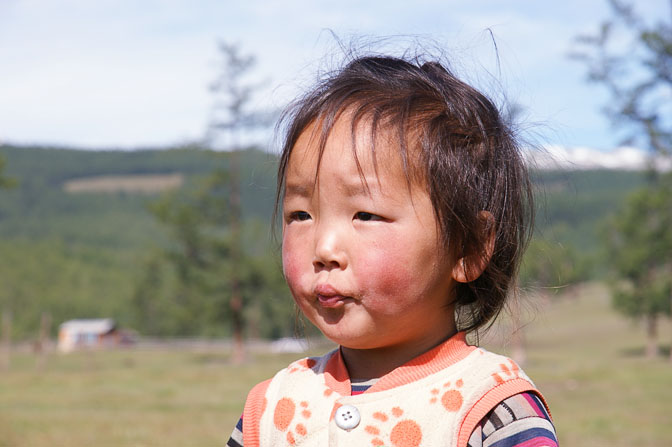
(632,59)
(232,117)
(216,276)
(640,243)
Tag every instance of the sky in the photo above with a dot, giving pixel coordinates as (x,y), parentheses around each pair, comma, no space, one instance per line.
(126,74)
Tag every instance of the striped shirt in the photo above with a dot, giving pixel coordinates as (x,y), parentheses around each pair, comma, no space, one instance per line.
(519,421)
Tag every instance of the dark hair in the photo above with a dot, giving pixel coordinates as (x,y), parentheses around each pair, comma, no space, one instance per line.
(456,141)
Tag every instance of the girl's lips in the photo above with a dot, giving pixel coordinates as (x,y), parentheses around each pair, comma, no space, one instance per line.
(330,297)
(332,301)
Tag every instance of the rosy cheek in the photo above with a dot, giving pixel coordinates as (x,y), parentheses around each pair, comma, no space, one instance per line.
(289,268)
(291,263)
(386,272)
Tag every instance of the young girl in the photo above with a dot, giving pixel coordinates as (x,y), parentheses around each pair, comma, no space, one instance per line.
(406,207)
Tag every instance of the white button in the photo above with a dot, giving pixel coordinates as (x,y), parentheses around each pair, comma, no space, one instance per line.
(347,417)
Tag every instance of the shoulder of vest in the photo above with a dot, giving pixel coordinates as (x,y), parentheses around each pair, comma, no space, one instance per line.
(256,401)
(255,405)
(505,379)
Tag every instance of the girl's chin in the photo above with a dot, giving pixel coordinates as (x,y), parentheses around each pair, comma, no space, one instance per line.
(352,340)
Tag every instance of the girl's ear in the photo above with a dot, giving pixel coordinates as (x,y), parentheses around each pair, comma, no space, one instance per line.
(470,267)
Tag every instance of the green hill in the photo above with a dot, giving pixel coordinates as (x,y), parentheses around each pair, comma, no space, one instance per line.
(40,206)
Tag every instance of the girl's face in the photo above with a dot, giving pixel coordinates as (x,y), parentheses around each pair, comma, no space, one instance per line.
(365,265)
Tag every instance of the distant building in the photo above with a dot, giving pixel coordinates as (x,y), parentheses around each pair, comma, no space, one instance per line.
(90,334)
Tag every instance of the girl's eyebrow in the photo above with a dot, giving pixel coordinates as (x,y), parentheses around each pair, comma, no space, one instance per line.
(356,189)
(297,189)
(359,187)
(350,190)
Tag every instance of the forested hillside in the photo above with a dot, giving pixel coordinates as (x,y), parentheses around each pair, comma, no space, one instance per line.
(40,207)
(74,253)
(79,255)
(572,205)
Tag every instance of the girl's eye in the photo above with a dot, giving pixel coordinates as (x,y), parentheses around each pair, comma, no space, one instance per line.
(298,215)
(366,217)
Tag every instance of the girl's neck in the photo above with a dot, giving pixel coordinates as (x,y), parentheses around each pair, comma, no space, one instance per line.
(366,364)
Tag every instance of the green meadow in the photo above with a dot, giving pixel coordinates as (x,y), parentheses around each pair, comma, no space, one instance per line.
(588,361)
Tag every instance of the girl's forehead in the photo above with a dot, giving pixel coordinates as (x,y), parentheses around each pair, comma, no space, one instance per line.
(353,164)
(344,143)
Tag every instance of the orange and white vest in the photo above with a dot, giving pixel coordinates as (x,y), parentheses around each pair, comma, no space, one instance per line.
(436,399)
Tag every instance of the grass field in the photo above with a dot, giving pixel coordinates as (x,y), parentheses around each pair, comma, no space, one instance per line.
(588,362)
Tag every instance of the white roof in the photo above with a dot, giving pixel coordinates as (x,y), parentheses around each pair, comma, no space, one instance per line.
(95,326)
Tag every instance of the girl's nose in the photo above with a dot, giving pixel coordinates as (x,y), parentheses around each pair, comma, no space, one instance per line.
(329,250)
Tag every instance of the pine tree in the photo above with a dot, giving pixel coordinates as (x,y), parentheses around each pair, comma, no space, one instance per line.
(632,59)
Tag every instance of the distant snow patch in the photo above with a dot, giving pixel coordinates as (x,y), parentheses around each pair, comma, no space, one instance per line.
(577,158)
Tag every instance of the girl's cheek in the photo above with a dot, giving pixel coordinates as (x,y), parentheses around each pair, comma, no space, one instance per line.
(288,264)
(291,265)
(386,271)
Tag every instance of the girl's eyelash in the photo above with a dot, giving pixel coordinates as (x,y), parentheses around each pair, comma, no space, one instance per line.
(298,216)
(367,217)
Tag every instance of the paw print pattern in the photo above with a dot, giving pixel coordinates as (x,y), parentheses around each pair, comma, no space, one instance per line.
(510,371)
(451,399)
(285,414)
(302,365)
(404,432)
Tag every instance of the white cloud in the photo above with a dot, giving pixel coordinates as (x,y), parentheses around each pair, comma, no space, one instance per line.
(125,73)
